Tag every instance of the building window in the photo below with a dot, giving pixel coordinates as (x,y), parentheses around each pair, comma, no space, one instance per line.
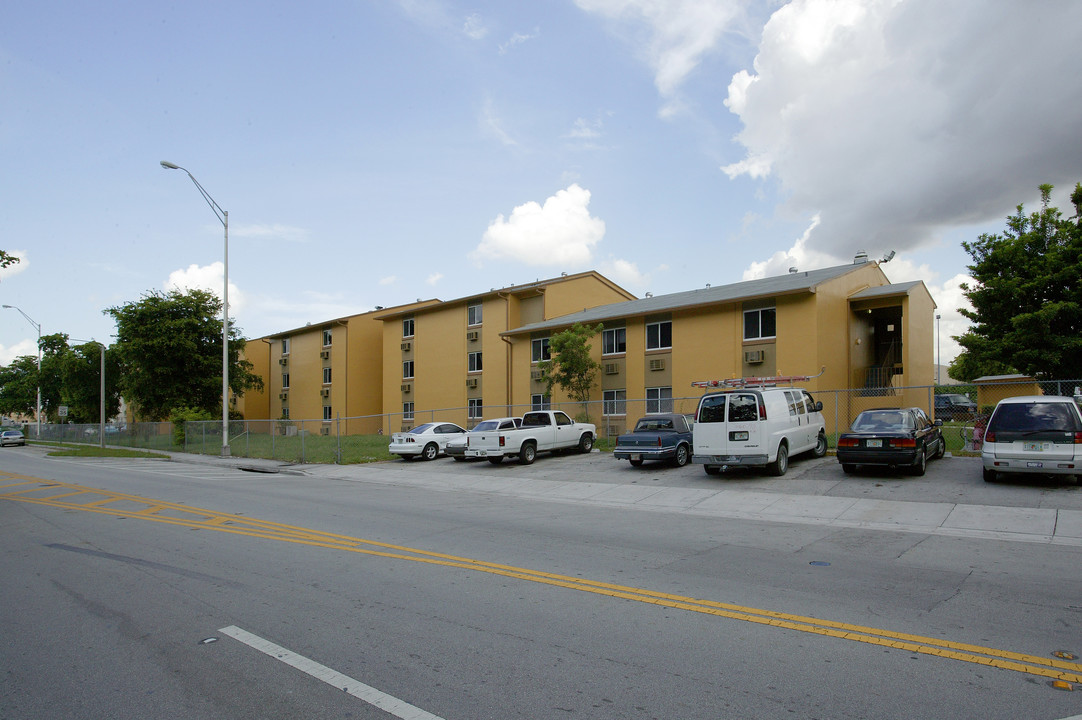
(474,362)
(407,328)
(407,370)
(473,315)
(326,376)
(407,411)
(540,347)
(659,400)
(285,381)
(760,324)
(285,346)
(285,413)
(613,402)
(327,412)
(613,341)
(659,335)
(326,338)
(540,402)
(474,410)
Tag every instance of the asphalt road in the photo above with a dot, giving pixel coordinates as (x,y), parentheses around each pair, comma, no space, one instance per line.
(157,589)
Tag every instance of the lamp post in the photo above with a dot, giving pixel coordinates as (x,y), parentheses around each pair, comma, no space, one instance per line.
(101,408)
(223,217)
(937,360)
(38,326)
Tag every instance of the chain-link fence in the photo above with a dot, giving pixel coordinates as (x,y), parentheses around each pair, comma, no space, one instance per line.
(963,408)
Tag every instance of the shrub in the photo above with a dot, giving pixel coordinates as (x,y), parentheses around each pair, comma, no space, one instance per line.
(180,416)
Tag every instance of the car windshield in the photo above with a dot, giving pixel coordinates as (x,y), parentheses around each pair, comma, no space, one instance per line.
(1033,417)
(420,429)
(486,425)
(882,420)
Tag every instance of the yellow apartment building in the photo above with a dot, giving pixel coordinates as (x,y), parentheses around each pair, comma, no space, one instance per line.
(476,356)
(452,361)
(847,325)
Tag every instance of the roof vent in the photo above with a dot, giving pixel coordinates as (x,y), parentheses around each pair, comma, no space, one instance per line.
(649,294)
(861,257)
(793,271)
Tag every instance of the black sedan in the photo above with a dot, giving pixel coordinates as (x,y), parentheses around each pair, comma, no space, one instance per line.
(656,437)
(892,437)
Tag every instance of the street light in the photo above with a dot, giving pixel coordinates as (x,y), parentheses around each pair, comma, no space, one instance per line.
(937,361)
(38,326)
(222,216)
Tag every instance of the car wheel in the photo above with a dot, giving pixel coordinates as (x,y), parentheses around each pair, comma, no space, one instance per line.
(849,468)
(431,451)
(712,469)
(990,476)
(586,443)
(820,445)
(527,454)
(496,460)
(781,463)
(921,465)
(635,463)
(942,449)
(681,457)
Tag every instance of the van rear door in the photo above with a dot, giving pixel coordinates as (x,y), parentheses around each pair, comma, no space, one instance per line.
(728,425)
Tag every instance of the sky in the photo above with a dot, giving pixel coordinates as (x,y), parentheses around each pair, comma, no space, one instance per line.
(372,153)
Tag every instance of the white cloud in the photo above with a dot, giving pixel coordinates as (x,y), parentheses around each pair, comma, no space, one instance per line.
(559,233)
(15,268)
(517,39)
(434,278)
(625,273)
(584,129)
(896,120)
(493,124)
(474,27)
(208,277)
(389,280)
(673,35)
(22,348)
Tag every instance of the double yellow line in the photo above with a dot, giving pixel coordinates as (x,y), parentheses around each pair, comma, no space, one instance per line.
(76,497)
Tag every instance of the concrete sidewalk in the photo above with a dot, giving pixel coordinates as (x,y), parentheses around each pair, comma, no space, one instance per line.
(1018,524)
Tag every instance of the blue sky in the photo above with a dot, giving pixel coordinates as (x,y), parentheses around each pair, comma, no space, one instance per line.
(374,153)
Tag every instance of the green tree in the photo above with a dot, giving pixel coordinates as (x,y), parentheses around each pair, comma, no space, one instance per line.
(169,346)
(18,386)
(6,260)
(571,366)
(1027,296)
(80,386)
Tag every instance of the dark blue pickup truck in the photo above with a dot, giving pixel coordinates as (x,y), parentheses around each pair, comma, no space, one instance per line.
(656,437)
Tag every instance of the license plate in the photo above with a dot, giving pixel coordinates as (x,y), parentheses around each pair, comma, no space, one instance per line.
(1033,464)
(739,435)
(875,443)
(1033,447)
(636,456)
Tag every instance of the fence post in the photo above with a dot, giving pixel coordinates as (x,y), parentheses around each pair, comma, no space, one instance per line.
(338,438)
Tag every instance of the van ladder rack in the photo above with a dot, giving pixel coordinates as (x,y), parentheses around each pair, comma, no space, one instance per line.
(756,381)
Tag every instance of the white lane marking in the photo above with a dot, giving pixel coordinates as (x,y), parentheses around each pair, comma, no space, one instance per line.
(356,688)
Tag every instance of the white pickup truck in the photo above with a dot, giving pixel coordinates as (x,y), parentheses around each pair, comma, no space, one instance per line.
(541,431)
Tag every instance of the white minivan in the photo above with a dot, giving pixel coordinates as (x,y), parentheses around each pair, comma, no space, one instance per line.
(757,427)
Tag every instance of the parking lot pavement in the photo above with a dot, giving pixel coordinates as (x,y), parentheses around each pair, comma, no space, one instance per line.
(951,499)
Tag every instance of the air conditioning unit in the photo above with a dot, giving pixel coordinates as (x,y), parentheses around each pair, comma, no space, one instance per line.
(325,392)
(283,396)
(406,388)
(473,335)
(283,361)
(537,375)
(471,382)
(325,430)
(612,369)
(405,347)
(325,354)
(753,357)
(657,364)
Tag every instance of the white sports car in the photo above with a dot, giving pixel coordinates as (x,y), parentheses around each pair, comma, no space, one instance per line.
(428,440)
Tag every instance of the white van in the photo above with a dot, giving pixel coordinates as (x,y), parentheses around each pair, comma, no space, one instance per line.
(757,427)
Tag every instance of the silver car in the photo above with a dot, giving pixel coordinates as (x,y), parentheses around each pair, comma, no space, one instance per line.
(1034,434)
(12,437)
